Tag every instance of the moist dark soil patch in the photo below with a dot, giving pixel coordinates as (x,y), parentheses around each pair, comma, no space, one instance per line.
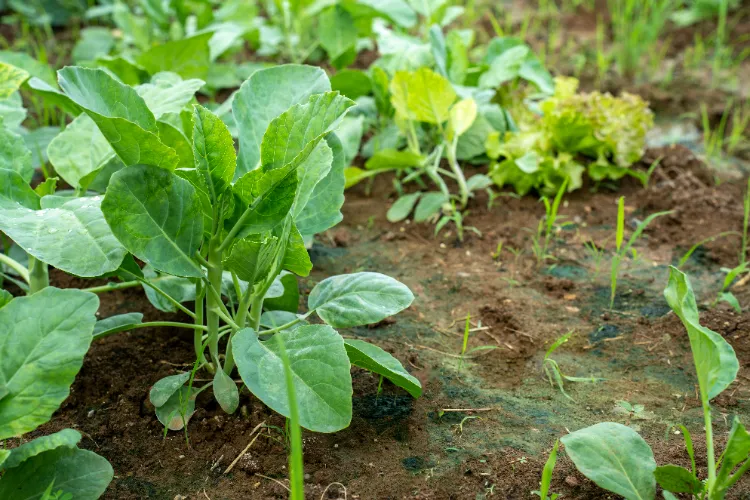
(397,447)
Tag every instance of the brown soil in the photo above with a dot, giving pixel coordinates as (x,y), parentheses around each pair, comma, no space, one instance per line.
(397,447)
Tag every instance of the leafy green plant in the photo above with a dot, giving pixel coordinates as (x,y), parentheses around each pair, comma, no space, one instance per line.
(35,380)
(623,250)
(616,458)
(549,467)
(552,369)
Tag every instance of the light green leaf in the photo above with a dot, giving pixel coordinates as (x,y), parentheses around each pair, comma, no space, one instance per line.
(162,390)
(14,155)
(11,79)
(157,216)
(177,411)
(736,452)
(504,67)
(422,95)
(67,437)
(394,159)
(81,473)
(225,392)
(52,95)
(311,171)
(373,358)
(249,257)
(180,289)
(358,299)
(79,151)
(397,11)
(337,31)
(715,362)
(429,205)
(462,116)
(275,319)
(4,454)
(615,457)
(41,354)
(74,237)
(265,199)
(116,323)
(296,258)
(401,209)
(5,298)
(288,300)
(213,149)
(426,8)
(189,57)
(677,479)
(168,93)
(263,97)
(93,42)
(15,192)
(320,368)
(121,115)
(28,63)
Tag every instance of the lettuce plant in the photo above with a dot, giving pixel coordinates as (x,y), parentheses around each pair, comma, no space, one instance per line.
(226,231)
(35,379)
(616,458)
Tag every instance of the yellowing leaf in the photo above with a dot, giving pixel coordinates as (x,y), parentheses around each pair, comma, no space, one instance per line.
(422,95)
(462,115)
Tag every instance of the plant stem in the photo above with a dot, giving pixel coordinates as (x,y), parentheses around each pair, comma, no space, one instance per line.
(38,275)
(112,286)
(296,463)
(241,320)
(213,303)
(16,266)
(460,179)
(200,295)
(149,324)
(710,457)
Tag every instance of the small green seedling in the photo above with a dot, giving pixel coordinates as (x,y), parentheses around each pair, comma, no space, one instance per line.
(597,255)
(465,351)
(631,470)
(623,250)
(549,467)
(725,295)
(547,226)
(691,251)
(552,369)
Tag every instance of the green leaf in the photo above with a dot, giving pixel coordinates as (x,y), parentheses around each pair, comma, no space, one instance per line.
(265,199)
(397,11)
(351,83)
(67,437)
(615,457)
(736,452)
(311,171)
(462,116)
(177,411)
(41,354)
(180,289)
(337,31)
(289,299)
(248,257)
(93,42)
(11,79)
(292,136)
(213,149)
(422,95)
(4,454)
(730,299)
(275,319)
(358,299)
(504,67)
(157,216)
(77,472)
(715,362)
(189,57)
(225,392)
(373,358)
(5,298)
(296,258)
(168,93)
(263,97)
(394,159)
(74,238)
(116,323)
(677,480)
(162,390)
(426,8)
(403,207)
(320,369)
(429,205)
(14,154)
(121,115)
(15,192)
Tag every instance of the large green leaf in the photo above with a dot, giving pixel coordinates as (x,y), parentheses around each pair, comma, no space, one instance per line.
(715,361)
(14,154)
(43,339)
(422,95)
(265,199)
(11,79)
(66,437)
(121,115)
(4,454)
(74,237)
(188,57)
(615,457)
(320,367)
(15,192)
(337,31)
(293,135)
(168,93)
(373,358)
(79,151)
(311,171)
(358,299)
(397,11)
(213,149)
(81,473)
(157,216)
(263,97)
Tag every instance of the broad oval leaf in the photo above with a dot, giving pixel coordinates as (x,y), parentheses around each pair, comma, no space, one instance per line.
(162,390)
(677,479)
(423,95)
(157,216)
(81,473)
(178,409)
(401,209)
(715,361)
(225,391)
(358,299)
(66,437)
(430,204)
(320,368)
(615,457)
(188,57)
(168,93)
(37,372)
(373,358)
(74,237)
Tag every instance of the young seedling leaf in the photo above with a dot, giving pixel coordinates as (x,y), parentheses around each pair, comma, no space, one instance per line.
(64,438)
(179,408)
(157,216)
(168,93)
(264,199)
(320,368)
(736,452)
(358,299)
(423,96)
(166,387)
(116,323)
(677,479)
(715,361)
(77,472)
(37,373)
(401,209)
(615,457)
(225,392)
(429,205)
(213,149)
(373,358)
(388,159)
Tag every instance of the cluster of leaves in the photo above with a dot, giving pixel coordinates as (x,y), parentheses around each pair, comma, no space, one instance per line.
(616,458)
(595,133)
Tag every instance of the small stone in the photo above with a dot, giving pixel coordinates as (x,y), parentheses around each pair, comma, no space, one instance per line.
(571,481)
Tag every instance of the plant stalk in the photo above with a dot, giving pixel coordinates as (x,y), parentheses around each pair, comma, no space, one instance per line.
(460,179)
(38,275)
(213,303)
(241,320)
(16,266)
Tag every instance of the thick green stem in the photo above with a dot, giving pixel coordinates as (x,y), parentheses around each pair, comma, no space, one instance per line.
(38,275)
(200,294)
(241,321)
(460,179)
(213,303)
(16,266)
(710,456)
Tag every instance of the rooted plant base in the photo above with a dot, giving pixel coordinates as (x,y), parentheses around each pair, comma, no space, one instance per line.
(398,447)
